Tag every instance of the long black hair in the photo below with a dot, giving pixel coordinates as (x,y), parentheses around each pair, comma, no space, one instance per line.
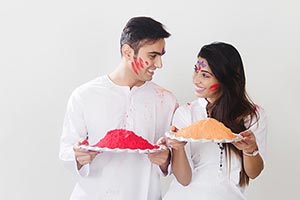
(233,108)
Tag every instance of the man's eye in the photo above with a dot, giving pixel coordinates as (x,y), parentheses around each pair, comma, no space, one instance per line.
(152,56)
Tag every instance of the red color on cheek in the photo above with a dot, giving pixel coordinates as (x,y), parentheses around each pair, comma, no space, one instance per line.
(214,87)
(137,64)
(147,63)
(141,62)
(134,68)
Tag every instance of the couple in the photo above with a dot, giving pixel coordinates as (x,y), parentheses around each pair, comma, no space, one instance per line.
(128,99)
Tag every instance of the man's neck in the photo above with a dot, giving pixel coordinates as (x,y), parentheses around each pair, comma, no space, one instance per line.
(123,76)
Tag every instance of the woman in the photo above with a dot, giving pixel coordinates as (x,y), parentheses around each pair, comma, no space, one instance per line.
(218,170)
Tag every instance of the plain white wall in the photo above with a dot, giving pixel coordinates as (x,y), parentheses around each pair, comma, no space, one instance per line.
(47,48)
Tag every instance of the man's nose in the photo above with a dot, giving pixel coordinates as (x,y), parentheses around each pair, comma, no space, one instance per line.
(158,63)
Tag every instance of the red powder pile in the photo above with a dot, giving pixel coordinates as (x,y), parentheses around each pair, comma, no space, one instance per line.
(124,139)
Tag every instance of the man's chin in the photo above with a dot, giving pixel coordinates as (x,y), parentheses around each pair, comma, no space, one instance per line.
(148,78)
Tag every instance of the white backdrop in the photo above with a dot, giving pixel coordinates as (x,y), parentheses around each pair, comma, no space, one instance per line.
(47,48)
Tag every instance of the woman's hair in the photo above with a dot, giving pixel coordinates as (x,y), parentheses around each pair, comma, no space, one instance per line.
(233,107)
(142,30)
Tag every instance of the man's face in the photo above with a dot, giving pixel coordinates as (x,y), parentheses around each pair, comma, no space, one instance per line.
(148,60)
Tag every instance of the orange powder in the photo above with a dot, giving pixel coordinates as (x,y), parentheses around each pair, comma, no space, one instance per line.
(206,129)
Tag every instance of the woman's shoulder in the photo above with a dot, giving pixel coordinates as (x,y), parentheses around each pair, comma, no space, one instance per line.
(191,106)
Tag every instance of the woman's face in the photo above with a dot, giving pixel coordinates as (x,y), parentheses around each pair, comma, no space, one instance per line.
(206,84)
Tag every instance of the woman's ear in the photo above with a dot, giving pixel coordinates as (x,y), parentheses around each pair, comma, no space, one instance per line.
(127,52)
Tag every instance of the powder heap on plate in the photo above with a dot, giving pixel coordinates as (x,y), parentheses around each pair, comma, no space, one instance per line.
(124,139)
(210,129)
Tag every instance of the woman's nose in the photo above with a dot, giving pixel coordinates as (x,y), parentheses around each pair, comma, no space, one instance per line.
(196,78)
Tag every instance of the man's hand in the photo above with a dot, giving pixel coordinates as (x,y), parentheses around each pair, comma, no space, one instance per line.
(161,158)
(83,156)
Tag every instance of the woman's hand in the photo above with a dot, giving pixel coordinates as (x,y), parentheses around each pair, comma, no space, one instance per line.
(173,143)
(180,164)
(248,144)
(253,163)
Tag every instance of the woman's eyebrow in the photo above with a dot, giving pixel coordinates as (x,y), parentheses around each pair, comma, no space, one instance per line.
(207,72)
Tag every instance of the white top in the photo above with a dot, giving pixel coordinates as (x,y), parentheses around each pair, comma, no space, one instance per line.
(100,106)
(208,181)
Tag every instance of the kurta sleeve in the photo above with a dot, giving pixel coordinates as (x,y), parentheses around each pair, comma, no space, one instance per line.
(259,128)
(174,105)
(74,129)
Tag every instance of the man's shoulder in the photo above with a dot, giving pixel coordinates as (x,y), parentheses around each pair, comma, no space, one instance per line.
(98,82)
(159,88)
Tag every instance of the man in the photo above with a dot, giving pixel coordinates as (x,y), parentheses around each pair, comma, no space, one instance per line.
(124,99)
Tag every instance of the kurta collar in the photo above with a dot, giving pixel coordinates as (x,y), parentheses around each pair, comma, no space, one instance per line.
(125,87)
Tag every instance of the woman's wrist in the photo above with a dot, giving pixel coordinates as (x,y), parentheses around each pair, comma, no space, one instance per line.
(251,153)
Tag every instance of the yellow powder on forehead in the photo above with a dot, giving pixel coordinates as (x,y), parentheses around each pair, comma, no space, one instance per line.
(206,129)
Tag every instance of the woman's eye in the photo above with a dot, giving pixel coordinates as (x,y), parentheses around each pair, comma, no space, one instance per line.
(205,75)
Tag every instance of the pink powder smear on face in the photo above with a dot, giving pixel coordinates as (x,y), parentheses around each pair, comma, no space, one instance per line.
(124,139)
(214,87)
(141,62)
(136,64)
(134,68)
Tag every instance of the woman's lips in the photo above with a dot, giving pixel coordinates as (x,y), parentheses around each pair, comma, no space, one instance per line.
(199,89)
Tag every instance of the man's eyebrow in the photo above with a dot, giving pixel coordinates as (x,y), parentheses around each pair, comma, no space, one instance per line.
(157,53)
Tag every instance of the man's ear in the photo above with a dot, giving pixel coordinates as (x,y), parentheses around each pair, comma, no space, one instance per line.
(127,52)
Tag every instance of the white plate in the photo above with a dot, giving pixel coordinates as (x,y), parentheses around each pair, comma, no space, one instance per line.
(179,138)
(118,150)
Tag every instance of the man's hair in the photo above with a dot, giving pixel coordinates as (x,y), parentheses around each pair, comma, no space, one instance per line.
(142,30)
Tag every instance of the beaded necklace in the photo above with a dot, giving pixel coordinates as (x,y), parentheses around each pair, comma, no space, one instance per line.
(221,147)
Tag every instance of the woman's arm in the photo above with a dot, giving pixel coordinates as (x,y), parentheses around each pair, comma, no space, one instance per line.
(253,162)
(180,164)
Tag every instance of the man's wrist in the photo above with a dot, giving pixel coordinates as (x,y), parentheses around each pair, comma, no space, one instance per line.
(164,167)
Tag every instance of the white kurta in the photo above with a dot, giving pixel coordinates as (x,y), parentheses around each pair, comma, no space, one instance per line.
(208,181)
(99,106)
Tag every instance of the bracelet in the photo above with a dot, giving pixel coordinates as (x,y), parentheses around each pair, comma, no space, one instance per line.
(254,153)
